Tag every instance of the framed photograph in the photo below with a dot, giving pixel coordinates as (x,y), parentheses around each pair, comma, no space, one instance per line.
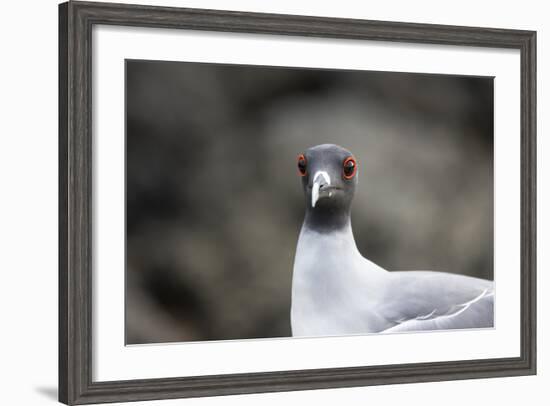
(256,202)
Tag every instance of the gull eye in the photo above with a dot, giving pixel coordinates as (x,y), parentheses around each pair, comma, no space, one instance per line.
(350,167)
(302,165)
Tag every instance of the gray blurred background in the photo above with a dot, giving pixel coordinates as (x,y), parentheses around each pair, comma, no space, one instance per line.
(214,203)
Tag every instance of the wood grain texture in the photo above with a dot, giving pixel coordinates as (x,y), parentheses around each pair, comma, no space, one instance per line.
(76,20)
(63,364)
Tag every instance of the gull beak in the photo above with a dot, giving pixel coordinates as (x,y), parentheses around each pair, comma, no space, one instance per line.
(320,180)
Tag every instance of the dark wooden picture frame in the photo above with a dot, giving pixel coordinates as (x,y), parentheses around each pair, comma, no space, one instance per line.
(76,20)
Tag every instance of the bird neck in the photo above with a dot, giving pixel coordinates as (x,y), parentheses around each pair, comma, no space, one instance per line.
(327,219)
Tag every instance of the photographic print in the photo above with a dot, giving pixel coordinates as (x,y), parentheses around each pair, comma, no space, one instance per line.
(266,202)
(255,202)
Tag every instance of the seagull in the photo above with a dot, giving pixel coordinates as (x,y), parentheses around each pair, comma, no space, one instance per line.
(336,291)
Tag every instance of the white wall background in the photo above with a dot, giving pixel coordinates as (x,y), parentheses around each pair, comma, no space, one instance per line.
(28,201)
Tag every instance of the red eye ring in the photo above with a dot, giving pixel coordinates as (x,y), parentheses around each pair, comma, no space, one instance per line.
(302,165)
(349,167)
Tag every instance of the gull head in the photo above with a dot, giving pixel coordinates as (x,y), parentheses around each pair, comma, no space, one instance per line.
(329,177)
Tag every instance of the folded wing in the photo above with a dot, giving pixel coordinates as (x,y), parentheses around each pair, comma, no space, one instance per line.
(439,301)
